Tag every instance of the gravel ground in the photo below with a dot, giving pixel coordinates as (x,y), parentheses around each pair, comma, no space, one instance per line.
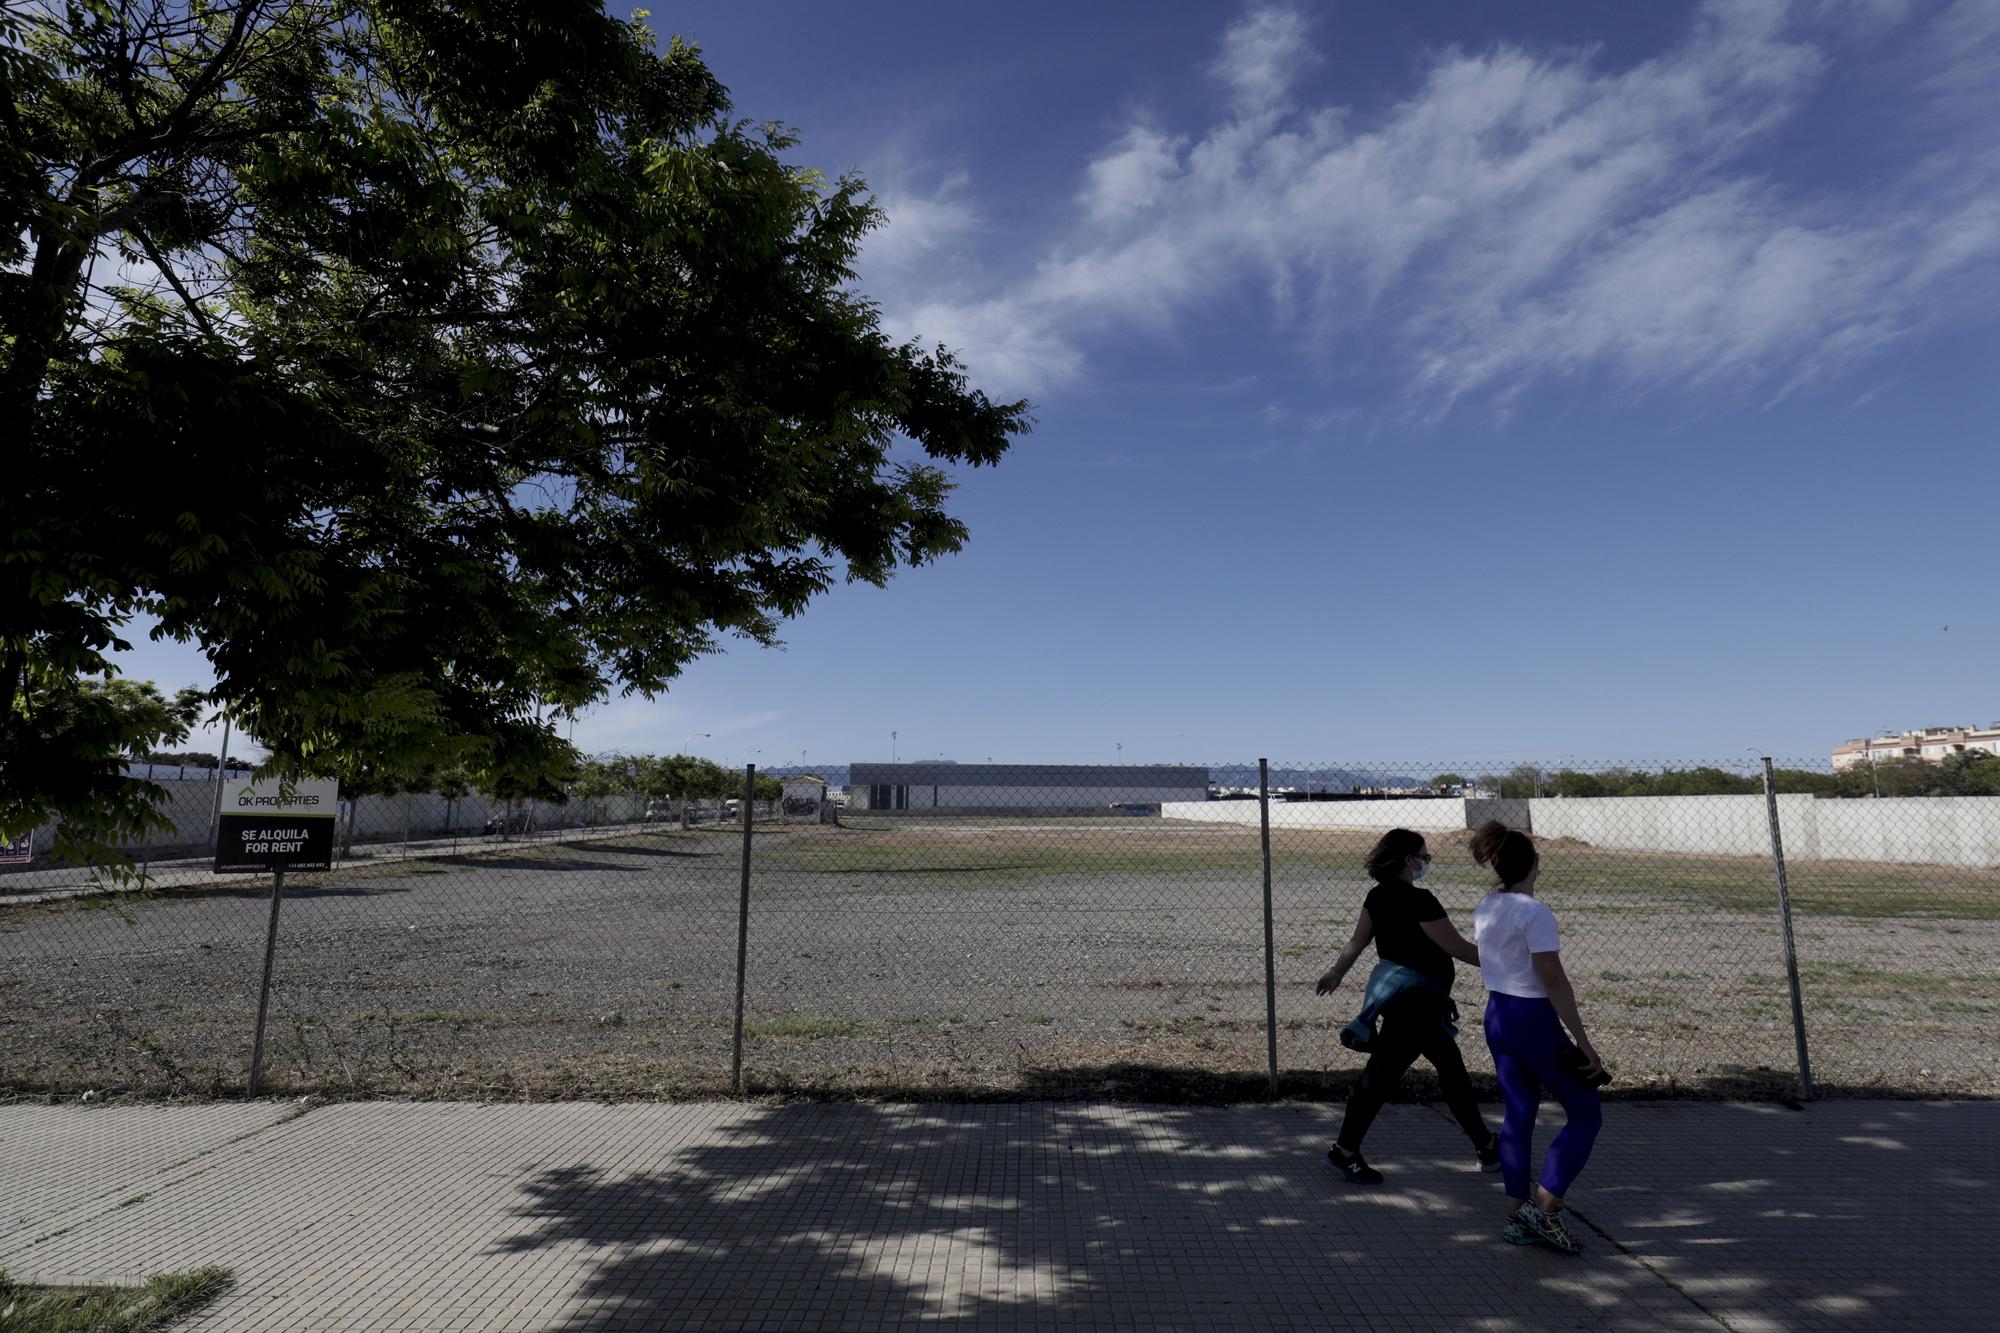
(949,962)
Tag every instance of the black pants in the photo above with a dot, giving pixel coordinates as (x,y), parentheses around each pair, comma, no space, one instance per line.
(1412,1025)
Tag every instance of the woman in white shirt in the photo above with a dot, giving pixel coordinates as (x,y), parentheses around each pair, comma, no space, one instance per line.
(1530,1003)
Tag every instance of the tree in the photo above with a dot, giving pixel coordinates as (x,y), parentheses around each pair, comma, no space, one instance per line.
(1901,776)
(1569,782)
(65,756)
(1969,773)
(437,370)
(1807,782)
(511,787)
(454,784)
(1446,781)
(602,777)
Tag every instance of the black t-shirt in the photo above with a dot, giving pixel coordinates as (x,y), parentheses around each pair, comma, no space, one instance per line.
(1399,911)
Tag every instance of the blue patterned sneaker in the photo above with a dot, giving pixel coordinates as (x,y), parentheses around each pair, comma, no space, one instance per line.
(1514,1233)
(1536,1225)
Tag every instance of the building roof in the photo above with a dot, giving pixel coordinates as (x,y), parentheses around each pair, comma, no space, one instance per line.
(1027,775)
(1916,737)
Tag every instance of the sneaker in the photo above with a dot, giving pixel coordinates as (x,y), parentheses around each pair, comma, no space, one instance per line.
(1353,1166)
(1548,1228)
(1489,1156)
(1514,1233)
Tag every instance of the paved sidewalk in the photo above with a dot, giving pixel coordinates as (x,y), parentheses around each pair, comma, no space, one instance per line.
(394,1216)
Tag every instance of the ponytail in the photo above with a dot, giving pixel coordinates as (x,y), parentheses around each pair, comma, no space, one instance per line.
(1510,852)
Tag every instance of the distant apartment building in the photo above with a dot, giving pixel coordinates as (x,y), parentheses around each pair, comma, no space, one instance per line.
(1928,743)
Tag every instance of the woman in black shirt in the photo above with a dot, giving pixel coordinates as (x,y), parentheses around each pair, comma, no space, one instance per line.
(1408,926)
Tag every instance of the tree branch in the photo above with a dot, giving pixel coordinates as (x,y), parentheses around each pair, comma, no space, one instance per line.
(173,279)
(139,139)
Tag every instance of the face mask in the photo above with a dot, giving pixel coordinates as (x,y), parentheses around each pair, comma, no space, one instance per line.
(1423,868)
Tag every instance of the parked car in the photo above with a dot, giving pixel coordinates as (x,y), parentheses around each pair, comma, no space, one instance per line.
(508,821)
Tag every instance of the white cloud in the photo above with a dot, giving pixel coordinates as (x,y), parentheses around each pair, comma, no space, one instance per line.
(1522,217)
(1132,177)
(1262,55)
(918,226)
(1010,344)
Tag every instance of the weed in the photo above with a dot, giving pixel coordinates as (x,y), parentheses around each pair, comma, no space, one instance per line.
(165,1299)
(809,1026)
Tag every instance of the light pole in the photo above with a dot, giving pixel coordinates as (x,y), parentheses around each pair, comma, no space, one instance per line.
(892,747)
(704,735)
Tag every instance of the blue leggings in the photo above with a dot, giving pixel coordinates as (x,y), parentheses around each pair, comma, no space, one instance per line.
(1525,1036)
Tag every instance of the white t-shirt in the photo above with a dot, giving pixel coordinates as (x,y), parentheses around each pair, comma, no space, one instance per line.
(1508,927)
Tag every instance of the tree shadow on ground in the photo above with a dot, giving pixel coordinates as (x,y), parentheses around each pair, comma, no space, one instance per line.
(1180,1085)
(860,1215)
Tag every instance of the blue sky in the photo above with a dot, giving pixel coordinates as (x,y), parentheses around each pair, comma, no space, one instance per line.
(1438,382)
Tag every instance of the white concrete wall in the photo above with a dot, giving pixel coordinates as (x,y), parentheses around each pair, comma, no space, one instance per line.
(190,805)
(1913,830)
(1937,830)
(1717,825)
(1423,814)
(1916,830)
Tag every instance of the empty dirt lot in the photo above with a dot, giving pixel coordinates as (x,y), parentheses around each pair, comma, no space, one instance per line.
(1040,957)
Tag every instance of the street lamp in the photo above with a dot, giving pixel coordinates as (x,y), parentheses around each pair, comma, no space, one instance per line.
(892,747)
(704,735)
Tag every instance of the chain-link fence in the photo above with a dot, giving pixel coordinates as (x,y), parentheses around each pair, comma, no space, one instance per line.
(955,930)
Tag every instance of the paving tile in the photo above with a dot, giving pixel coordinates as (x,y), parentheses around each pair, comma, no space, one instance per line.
(393,1216)
(58,1160)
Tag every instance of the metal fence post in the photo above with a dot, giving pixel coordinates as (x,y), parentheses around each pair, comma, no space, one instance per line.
(742,928)
(1785,916)
(221,772)
(1270,938)
(264,992)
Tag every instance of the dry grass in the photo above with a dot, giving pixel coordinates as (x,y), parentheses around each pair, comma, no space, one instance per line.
(974,958)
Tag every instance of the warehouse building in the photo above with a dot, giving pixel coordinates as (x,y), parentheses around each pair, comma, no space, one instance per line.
(1020,788)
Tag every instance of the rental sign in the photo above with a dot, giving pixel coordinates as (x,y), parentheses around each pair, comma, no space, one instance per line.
(270,824)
